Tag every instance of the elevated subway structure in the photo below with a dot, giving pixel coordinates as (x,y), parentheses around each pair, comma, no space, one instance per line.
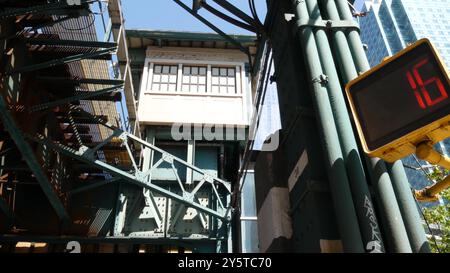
(71,164)
(72,168)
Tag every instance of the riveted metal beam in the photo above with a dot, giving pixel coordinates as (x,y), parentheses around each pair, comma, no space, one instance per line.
(65,60)
(60,7)
(139,178)
(79,81)
(82,96)
(76,43)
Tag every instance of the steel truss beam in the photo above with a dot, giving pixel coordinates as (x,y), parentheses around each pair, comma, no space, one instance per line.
(28,154)
(65,60)
(83,96)
(56,42)
(80,81)
(52,8)
(234,10)
(140,178)
(213,27)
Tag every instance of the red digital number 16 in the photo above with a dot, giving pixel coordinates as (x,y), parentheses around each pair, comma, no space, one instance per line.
(421,84)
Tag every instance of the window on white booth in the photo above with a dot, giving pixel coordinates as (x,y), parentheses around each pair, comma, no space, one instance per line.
(194,79)
(223,80)
(165,78)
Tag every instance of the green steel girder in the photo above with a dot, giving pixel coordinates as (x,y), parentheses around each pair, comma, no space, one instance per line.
(216,29)
(28,154)
(56,42)
(236,11)
(65,60)
(61,7)
(82,96)
(80,81)
(138,178)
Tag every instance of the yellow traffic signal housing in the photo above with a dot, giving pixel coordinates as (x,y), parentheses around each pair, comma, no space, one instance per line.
(402,102)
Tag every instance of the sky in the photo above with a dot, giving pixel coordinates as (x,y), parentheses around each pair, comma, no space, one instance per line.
(358,4)
(167,15)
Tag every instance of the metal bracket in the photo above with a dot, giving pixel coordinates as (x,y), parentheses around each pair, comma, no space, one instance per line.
(326,24)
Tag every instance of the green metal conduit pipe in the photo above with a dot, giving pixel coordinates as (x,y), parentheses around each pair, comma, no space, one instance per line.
(368,223)
(393,222)
(339,185)
(408,208)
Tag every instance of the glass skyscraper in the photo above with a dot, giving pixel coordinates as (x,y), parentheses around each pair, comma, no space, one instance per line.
(388,27)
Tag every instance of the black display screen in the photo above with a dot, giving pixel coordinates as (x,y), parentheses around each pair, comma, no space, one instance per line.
(408,93)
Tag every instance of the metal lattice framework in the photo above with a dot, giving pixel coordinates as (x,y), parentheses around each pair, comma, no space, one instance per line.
(143,178)
(79,121)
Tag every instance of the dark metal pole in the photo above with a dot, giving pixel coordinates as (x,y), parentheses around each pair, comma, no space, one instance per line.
(339,184)
(393,222)
(368,223)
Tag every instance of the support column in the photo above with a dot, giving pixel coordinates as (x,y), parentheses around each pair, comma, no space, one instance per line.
(410,214)
(339,184)
(393,222)
(368,223)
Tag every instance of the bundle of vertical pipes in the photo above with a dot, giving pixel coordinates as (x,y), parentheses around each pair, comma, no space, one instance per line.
(399,228)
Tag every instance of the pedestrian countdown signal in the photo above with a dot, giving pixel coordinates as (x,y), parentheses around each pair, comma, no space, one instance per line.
(401,102)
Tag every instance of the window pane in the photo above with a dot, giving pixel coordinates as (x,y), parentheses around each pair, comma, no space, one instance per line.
(202,70)
(173,79)
(231,72)
(231,90)
(215,89)
(223,72)
(231,81)
(223,81)
(185,79)
(194,71)
(248,196)
(157,69)
(172,87)
(173,70)
(155,87)
(156,78)
(223,90)
(186,70)
(165,70)
(215,80)
(185,88)
(194,79)
(164,87)
(202,80)
(194,88)
(250,239)
(165,79)
(215,71)
(202,89)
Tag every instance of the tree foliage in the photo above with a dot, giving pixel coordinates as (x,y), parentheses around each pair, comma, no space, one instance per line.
(439,216)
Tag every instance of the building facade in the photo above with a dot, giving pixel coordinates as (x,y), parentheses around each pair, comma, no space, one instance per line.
(195,100)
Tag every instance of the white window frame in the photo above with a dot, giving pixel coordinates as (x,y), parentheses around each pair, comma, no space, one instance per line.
(241,79)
